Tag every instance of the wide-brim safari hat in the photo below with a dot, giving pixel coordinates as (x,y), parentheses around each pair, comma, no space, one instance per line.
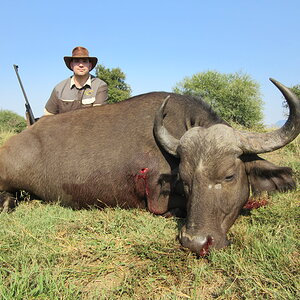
(80,52)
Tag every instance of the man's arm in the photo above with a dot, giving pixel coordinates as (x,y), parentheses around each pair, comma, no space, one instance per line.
(51,107)
(101,94)
(47,113)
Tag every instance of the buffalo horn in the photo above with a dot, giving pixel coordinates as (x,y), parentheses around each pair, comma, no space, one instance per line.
(267,142)
(165,139)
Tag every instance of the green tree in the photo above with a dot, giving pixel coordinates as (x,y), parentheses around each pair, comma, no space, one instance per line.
(235,97)
(118,89)
(10,121)
(296,90)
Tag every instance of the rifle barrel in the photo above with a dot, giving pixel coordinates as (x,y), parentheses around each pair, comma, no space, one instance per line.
(21,85)
(27,105)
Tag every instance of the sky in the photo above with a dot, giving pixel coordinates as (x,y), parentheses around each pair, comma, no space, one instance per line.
(156,44)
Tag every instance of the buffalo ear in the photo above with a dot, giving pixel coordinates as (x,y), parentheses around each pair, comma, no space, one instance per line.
(265,176)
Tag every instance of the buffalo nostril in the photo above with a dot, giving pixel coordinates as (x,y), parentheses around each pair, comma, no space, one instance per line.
(205,249)
(197,244)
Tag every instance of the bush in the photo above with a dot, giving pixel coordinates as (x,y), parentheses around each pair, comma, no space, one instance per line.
(118,89)
(10,121)
(235,97)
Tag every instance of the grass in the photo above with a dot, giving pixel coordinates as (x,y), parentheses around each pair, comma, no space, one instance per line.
(51,252)
(5,135)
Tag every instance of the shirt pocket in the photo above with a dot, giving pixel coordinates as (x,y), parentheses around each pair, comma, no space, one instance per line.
(88,101)
(66,105)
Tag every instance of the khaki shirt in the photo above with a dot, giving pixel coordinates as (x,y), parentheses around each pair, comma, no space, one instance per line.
(66,96)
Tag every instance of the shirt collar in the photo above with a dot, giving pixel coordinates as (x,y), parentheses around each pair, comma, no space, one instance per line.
(87,83)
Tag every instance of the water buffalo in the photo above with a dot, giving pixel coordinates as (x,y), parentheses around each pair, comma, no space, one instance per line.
(166,155)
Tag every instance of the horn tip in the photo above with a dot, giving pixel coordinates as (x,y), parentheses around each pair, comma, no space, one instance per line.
(277,84)
(165,101)
(167,98)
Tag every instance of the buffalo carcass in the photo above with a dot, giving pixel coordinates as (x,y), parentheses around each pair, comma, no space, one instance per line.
(145,152)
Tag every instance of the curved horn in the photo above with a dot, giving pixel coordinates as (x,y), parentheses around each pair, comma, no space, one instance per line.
(165,139)
(267,142)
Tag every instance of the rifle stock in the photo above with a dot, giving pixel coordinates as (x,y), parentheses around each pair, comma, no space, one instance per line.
(29,113)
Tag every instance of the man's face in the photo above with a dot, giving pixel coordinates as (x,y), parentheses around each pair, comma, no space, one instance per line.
(81,66)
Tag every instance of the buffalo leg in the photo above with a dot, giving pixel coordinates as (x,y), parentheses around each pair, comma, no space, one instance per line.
(176,207)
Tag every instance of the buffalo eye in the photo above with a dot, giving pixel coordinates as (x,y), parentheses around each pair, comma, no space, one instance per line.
(229,178)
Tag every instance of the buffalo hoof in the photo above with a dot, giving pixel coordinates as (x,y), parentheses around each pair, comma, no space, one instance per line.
(7,202)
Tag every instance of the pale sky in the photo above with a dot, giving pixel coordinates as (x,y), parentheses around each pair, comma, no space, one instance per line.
(155,43)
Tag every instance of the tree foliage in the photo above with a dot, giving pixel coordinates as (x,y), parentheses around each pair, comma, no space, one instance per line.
(118,89)
(235,97)
(10,121)
(296,90)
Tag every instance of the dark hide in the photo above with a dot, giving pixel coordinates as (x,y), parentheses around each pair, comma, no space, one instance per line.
(94,156)
(108,156)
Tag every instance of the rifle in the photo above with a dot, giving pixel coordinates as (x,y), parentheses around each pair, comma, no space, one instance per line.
(29,114)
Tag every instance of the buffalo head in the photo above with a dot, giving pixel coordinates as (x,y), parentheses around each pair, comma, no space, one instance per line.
(218,165)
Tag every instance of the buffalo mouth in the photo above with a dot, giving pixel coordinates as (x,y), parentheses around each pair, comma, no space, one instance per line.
(201,244)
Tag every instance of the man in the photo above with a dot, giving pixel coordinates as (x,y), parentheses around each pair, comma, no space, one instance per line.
(80,90)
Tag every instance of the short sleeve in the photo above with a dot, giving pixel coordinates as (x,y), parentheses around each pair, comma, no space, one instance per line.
(52,104)
(101,94)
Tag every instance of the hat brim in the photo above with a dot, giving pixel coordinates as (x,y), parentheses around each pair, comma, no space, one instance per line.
(68,60)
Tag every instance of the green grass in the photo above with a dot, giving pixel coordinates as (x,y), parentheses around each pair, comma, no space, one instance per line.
(51,252)
(5,135)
